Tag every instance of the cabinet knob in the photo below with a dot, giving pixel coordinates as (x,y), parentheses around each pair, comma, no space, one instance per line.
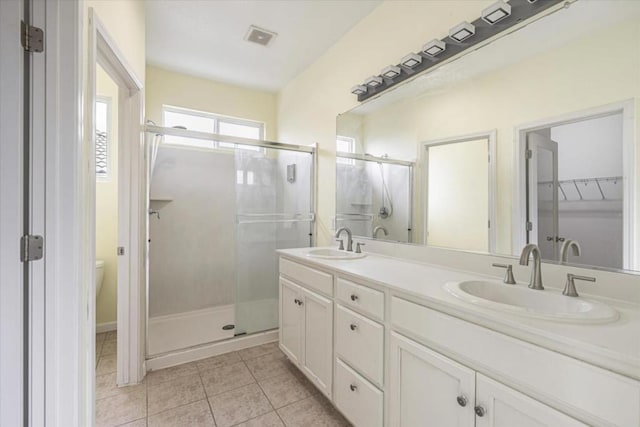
(480,411)
(354,297)
(353,327)
(353,387)
(462,401)
(296,301)
(299,302)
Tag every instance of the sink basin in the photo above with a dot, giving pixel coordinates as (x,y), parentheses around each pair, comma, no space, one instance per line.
(334,254)
(520,300)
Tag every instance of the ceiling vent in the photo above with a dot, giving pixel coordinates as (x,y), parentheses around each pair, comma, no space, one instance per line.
(260,36)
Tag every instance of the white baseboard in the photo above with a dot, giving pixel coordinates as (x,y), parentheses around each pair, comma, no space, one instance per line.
(208,350)
(106,327)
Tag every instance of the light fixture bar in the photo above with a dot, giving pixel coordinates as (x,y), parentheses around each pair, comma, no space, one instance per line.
(461,37)
(374,81)
(434,47)
(411,60)
(496,12)
(462,31)
(359,90)
(391,71)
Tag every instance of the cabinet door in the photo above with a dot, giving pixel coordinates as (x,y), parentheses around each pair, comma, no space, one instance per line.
(505,407)
(291,319)
(318,339)
(427,388)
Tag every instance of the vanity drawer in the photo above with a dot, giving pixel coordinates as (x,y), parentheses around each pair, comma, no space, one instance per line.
(572,386)
(368,300)
(359,400)
(360,342)
(307,276)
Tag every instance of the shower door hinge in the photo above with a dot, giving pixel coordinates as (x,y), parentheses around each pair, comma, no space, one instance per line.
(528,154)
(31,248)
(32,38)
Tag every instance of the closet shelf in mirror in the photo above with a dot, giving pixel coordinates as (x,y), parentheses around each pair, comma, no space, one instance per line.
(160,199)
(586,189)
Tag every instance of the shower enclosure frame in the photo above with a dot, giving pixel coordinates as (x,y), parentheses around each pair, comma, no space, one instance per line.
(170,131)
(371,158)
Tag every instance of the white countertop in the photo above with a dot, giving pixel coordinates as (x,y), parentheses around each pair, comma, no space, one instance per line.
(614,346)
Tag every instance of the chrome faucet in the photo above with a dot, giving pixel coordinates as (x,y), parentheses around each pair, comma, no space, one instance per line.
(378,228)
(349,241)
(564,250)
(536,271)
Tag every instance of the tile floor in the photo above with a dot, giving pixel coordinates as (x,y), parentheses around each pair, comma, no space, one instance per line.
(255,387)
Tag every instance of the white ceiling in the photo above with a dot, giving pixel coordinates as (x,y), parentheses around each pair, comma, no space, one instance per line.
(206,37)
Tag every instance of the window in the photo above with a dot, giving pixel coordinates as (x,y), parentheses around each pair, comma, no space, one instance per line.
(210,123)
(103,138)
(345,144)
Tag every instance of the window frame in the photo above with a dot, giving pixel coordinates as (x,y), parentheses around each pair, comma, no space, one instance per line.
(108,101)
(352,149)
(217,120)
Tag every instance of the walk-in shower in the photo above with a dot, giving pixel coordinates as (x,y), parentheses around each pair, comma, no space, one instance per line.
(374,196)
(221,208)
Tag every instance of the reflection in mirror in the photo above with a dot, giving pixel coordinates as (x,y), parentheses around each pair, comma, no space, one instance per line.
(576,175)
(458,192)
(561,93)
(374,196)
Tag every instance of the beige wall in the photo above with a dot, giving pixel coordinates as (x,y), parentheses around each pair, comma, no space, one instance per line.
(166,87)
(308,105)
(107,210)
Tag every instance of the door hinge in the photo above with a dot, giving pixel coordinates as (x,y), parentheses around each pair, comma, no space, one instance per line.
(32,38)
(120,250)
(528,154)
(529,226)
(31,248)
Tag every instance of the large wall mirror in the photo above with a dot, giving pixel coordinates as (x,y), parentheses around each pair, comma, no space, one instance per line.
(530,138)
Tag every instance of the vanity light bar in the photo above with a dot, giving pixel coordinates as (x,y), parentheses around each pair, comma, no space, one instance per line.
(462,31)
(374,81)
(463,36)
(411,60)
(391,71)
(434,47)
(359,90)
(496,12)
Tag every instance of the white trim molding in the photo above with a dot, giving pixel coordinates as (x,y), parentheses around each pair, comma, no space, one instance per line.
(490,136)
(631,219)
(131,275)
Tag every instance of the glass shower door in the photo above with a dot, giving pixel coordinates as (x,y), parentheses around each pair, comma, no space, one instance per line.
(273,211)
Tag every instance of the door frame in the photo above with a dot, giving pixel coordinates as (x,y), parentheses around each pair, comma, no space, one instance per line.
(532,173)
(423,159)
(103,50)
(630,215)
(11,215)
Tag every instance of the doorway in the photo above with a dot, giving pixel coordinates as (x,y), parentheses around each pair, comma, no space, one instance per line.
(578,177)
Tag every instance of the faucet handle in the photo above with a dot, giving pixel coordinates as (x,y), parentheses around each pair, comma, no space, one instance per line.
(508,277)
(570,286)
(341,244)
(358,247)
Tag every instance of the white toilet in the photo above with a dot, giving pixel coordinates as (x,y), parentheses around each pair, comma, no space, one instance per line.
(99,275)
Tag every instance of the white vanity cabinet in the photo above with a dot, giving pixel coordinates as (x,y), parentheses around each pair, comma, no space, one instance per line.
(386,358)
(306,325)
(427,387)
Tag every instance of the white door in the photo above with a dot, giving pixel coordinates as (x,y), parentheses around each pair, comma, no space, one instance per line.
(318,339)
(428,389)
(542,169)
(11,215)
(502,406)
(291,318)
